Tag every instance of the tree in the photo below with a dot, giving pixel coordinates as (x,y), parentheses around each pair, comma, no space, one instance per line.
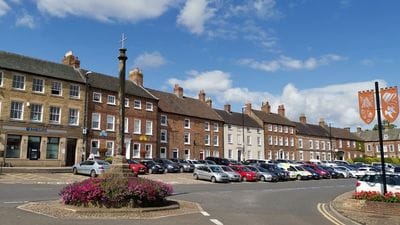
(385,125)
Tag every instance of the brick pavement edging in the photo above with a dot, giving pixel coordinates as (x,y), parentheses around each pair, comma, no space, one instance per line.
(56,209)
(367,212)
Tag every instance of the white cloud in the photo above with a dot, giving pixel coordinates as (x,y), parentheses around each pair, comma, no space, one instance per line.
(4,8)
(288,63)
(336,104)
(194,14)
(150,60)
(26,20)
(105,10)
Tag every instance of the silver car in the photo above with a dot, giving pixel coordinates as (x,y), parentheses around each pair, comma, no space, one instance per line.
(262,174)
(211,173)
(233,175)
(91,167)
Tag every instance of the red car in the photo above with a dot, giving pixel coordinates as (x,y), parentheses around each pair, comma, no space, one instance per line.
(137,167)
(321,172)
(245,173)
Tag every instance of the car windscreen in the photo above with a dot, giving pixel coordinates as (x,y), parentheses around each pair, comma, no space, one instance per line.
(227,169)
(100,162)
(262,169)
(216,169)
(245,169)
(167,161)
(252,168)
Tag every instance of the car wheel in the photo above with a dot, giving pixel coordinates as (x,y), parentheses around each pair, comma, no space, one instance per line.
(93,173)
(213,180)
(181,169)
(150,171)
(341,176)
(298,177)
(262,178)
(75,171)
(244,179)
(196,177)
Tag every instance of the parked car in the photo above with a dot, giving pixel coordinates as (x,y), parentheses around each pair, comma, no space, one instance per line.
(206,162)
(300,172)
(255,161)
(345,171)
(91,167)
(212,173)
(169,166)
(233,162)
(365,170)
(219,161)
(282,175)
(152,166)
(373,182)
(195,163)
(315,174)
(245,173)
(321,172)
(263,174)
(136,167)
(332,172)
(233,175)
(184,165)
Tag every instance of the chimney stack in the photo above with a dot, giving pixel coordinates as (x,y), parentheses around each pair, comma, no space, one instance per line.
(202,96)
(136,76)
(265,107)
(322,123)
(348,129)
(209,102)
(227,108)
(71,60)
(303,119)
(359,130)
(248,108)
(281,110)
(178,91)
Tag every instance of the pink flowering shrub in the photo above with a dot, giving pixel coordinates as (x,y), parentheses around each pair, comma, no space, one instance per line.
(115,192)
(376,196)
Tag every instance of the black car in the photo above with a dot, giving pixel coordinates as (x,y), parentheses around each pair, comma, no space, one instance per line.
(283,175)
(184,165)
(332,172)
(219,161)
(152,166)
(314,173)
(169,166)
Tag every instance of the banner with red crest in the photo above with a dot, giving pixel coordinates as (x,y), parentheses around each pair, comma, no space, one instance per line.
(366,105)
(390,103)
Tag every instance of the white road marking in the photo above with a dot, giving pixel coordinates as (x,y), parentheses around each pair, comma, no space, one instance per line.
(217,222)
(205,213)
(16,202)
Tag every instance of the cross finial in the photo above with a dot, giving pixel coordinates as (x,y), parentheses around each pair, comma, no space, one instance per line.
(123,39)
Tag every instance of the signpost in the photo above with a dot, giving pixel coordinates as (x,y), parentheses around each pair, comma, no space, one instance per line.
(390,108)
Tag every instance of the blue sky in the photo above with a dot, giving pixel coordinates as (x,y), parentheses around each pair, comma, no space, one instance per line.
(311,56)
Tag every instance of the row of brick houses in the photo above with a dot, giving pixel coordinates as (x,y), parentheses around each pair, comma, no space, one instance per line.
(54,114)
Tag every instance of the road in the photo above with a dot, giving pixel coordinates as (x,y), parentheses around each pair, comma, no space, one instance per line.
(283,203)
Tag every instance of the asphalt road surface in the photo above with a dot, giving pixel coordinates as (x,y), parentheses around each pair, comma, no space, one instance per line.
(283,203)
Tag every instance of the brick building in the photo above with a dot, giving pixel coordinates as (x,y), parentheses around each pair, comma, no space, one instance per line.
(391,142)
(279,131)
(189,128)
(41,111)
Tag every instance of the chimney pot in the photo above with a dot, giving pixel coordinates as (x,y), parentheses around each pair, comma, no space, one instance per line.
(303,119)
(248,108)
(202,96)
(227,108)
(265,107)
(71,60)
(178,91)
(136,76)
(281,110)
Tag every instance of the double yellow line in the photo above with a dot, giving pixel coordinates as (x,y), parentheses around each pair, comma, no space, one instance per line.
(321,208)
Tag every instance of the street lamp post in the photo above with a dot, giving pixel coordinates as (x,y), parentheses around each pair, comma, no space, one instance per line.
(330,141)
(85,118)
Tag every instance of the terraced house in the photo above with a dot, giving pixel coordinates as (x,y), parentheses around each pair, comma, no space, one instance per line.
(41,111)
(279,131)
(391,142)
(189,128)
(243,136)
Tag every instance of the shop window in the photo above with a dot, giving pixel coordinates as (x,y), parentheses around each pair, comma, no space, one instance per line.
(13,148)
(52,147)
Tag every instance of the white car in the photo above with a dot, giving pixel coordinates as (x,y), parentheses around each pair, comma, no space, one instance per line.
(364,170)
(373,182)
(349,173)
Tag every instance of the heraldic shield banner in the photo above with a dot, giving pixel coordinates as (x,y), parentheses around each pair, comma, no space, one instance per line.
(390,103)
(366,105)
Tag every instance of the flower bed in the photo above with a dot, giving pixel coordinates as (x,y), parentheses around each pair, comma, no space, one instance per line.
(376,196)
(116,192)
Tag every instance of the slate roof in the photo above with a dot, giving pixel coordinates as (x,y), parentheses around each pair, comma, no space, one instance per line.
(26,64)
(170,103)
(373,135)
(343,134)
(235,118)
(311,130)
(273,118)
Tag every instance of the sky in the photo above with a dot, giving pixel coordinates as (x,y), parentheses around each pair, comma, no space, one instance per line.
(312,56)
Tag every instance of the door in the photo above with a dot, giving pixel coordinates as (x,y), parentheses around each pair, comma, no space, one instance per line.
(239,158)
(71,151)
(33,148)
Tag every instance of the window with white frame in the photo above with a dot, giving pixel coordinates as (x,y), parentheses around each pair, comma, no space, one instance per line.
(316,146)
(348,144)
(229,126)
(276,142)
(216,127)
(269,127)
(18,82)
(94,147)
(207,126)
(258,131)
(216,153)
(207,139)
(163,152)
(136,150)
(248,140)
(126,125)
(369,148)
(36,112)
(111,99)
(216,140)
(126,103)
(186,123)
(96,97)
(56,88)
(175,153)
(280,129)
(258,155)
(249,154)
(163,136)
(187,153)
(323,145)
(37,85)
(292,141)
(230,139)
(291,130)
(275,128)
(269,154)
(398,147)
(300,143)
(55,114)
(301,156)
(149,127)
(186,138)
(311,155)
(329,158)
(270,142)
(137,104)
(110,148)
(136,126)
(311,143)
(281,141)
(286,129)
(149,106)
(208,153)
(229,153)
(286,141)
(110,123)
(96,121)
(74,91)
(340,143)
(73,118)
(328,145)
(354,144)
(163,120)
(1,78)
(149,151)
